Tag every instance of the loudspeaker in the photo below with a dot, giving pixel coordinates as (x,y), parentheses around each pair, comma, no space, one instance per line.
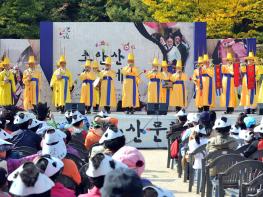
(260,108)
(157,108)
(75,106)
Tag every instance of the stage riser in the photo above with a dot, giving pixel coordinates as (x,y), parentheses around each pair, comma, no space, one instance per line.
(143,131)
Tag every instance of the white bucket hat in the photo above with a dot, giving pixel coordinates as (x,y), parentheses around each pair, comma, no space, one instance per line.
(181,113)
(34,123)
(259,128)
(21,118)
(234,129)
(107,165)
(18,187)
(110,135)
(200,129)
(53,143)
(76,117)
(102,114)
(54,165)
(222,122)
(4,135)
(192,117)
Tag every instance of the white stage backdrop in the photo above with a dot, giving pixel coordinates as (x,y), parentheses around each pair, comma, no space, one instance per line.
(87,40)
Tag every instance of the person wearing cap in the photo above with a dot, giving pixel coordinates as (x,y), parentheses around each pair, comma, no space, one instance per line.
(106,121)
(122,182)
(209,95)
(87,91)
(248,97)
(96,98)
(166,92)
(94,134)
(256,145)
(67,124)
(77,131)
(99,166)
(8,113)
(154,85)
(61,84)
(24,136)
(222,140)
(197,79)
(27,180)
(107,89)
(179,126)
(52,167)
(228,98)
(7,84)
(240,121)
(54,145)
(32,80)
(192,121)
(134,159)
(113,139)
(179,92)
(130,91)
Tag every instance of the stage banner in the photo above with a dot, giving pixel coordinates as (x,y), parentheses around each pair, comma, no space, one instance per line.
(18,50)
(80,41)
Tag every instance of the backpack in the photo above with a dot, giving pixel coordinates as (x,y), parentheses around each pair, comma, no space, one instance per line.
(174,149)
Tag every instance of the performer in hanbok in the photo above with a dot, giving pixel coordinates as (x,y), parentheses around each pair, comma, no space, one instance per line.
(166,88)
(87,91)
(107,91)
(209,95)
(96,97)
(248,96)
(32,80)
(154,85)
(259,78)
(179,92)
(228,97)
(197,79)
(7,84)
(130,91)
(61,84)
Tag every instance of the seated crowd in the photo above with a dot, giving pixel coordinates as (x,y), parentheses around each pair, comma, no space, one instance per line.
(41,157)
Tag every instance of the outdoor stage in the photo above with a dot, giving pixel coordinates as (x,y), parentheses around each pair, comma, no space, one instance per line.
(148,131)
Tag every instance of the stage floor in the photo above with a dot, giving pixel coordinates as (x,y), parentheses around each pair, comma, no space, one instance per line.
(148,131)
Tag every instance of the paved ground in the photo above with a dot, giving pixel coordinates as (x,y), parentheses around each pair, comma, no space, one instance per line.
(157,172)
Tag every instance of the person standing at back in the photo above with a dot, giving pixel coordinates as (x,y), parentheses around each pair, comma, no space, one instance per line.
(32,80)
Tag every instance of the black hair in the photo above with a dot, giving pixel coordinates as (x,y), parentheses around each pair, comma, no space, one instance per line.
(182,118)
(150,192)
(77,124)
(41,110)
(29,175)
(115,144)
(3,177)
(68,136)
(97,159)
(198,136)
(240,121)
(2,125)
(34,129)
(212,117)
(24,125)
(97,181)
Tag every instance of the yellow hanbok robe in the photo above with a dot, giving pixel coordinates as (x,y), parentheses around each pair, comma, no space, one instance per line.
(32,88)
(130,91)
(166,93)
(209,91)
(87,89)
(179,93)
(154,87)
(248,97)
(107,90)
(228,97)
(7,89)
(259,77)
(61,87)
(198,92)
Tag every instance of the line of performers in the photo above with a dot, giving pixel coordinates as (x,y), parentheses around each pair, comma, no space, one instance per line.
(98,89)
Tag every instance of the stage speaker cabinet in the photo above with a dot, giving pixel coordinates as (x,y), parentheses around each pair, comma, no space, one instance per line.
(157,108)
(260,108)
(75,106)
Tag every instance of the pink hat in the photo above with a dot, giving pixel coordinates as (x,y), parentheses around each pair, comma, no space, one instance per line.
(132,157)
